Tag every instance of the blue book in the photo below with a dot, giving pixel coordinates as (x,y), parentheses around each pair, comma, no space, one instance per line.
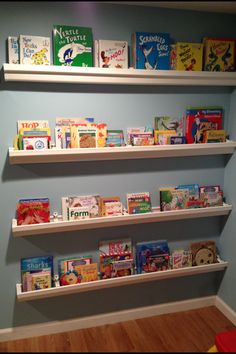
(151,51)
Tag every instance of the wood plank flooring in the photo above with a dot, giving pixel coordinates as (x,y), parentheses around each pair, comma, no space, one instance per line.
(188,331)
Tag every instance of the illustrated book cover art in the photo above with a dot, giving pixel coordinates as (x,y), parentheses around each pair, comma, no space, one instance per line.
(151,51)
(13,50)
(111,54)
(33,211)
(115,138)
(32,124)
(105,200)
(83,137)
(152,256)
(211,195)
(193,200)
(189,56)
(37,266)
(35,50)
(180,259)
(219,54)
(203,252)
(75,203)
(72,46)
(173,199)
(214,136)
(139,203)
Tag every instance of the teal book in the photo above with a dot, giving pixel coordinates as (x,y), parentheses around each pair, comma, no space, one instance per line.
(72,46)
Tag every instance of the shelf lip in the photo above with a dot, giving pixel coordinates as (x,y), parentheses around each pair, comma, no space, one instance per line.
(94,75)
(120,281)
(114,221)
(118,153)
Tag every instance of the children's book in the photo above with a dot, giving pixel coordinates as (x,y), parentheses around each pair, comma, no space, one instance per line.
(211,196)
(163,137)
(105,200)
(32,124)
(64,121)
(173,57)
(173,199)
(35,50)
(111,54)
(203,252)
(151,50)
(78,213)
(167,123)
(40,280)
(72,46)
(189,56)
(219,54)
(13,50)
(83,137)
(33,211)
(93,202)
(181,259)
(139,203)
(115,138)
(214,136)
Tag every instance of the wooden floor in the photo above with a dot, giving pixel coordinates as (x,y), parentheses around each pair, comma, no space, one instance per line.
(189,331)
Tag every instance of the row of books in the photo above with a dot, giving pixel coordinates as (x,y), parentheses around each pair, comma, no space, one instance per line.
(74,46)
(117,258)
(35,211)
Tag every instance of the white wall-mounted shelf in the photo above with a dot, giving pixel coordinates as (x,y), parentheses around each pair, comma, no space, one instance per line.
(87,75)
(120,281)
(113,221)
(118,153)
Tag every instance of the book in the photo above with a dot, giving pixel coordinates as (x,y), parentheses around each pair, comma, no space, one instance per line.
(36,265)
(173,199)
(83,137)
(111,54)
(13,50)
(93,202)
(181,258)
(78,213)
(211,195)
(64,121)
(142,139)
(72,46)
(26,133)
(203,252)
(189,56)
(87,272)
(35,50)
(31,124)
(173,57)
(105,200)
(137,130)
(139,203)
(33,211)
(214,136)
(115,138)
(219,54)
(151,50)
(163,137)
(40,280)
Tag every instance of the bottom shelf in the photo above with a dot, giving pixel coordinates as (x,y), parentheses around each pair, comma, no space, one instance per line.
(113,282)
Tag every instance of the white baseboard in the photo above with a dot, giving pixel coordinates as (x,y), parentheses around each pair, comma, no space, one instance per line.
(103,319)
(225,309)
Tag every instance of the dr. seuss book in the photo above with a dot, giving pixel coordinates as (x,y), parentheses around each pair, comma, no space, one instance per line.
(214,136)
(151,51)
(203,252)
(90,203)
(189,56)
(35,50)
(72,46)
(41,267)
(111,54)
(33,211)
(219,54)
(173,199)
(13,50)
(139,203)
(152,256)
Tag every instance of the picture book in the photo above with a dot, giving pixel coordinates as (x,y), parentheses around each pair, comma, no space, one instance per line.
(219,54)
(163,137)
(151,51)
(93,202)
(181,258)
(111,54)
(122,268)
(142,139)
(83,137)
(31,124)
(78,213)
(139,203)
(35,50)
(87,272)
(113,208)
(115,138)
(152,256)
(211,195)
(72,46)
(203,252)
(40,280)
(189,56)
(35,265)
(33,211)
(105,200)
(214,136)
(193,200)
(13,50)
(33,143)
(69,269)
(167,123)
(64,121)
(173,199)
(27,133)
(173,57)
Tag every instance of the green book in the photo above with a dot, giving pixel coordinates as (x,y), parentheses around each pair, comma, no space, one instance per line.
(72,46)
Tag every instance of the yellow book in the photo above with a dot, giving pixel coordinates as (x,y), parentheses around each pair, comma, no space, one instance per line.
(219,54)
(166,133)
(189,56)
(87,272)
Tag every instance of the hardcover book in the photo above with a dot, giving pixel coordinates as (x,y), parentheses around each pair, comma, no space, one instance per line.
(35,50)
(104,200)
(219,54)
(32,124)
(203,252)
(111,54)
(139,203)
(13,50)
(151,51)
(189,56)
(33,211)
(93,202)
(173,199)
(72,46)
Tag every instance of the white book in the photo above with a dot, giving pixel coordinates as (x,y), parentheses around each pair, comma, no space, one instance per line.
(35,50)
(111,54)
(13,50)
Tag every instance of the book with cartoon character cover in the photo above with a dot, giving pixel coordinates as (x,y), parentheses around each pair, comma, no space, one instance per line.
(151,51)
(189,56)
(72,46)
(219,54)
(35,50)
(111,54)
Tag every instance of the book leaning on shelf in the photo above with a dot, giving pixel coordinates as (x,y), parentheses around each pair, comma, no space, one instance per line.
(81,207)
(35,50)
(111,54)
(139,203)
(33,211)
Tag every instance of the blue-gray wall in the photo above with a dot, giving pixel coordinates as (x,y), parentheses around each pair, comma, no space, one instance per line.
(119,107)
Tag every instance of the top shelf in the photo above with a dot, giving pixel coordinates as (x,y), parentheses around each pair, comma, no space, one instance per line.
(92,75)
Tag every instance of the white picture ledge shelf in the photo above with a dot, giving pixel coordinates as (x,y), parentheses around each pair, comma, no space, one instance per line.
(118,153)
(93,75)
(120,281)
(113,221)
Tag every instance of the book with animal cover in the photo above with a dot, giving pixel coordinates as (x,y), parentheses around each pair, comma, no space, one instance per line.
(33,211)
(151,50)
(13,50)
(111,54)
(139,203)
(35,50)
(93,202)
(35,265)
(189,56)
(83,137)
(203,252)
(173,199)
(219,54)
(152,256)
(167,123)
(70,263)
(72,46)
(193,200)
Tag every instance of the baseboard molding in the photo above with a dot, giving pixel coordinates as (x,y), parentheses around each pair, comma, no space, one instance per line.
(225,309)
(102,319)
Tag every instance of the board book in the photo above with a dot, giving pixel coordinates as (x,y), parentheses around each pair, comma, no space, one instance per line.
(93,202)
(219,54)
(189,56)
(111,54)
(33,211)
(173,199)
(35,50)
(203,252)
(139,203)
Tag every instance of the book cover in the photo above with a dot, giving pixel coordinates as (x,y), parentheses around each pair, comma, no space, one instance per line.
(64,121)
(35,50)
(93,202)
(139,203)
(214,136)
(88,272)
(122,268)
(173,57)
(203,252)
(173,199)
(41,280)
(151,50)
(33,211)
(115,138)
(83,137)
(105,200)
(189,56)
(31,124)
(78,213)
(111,54)
(72,46)
(219,54)
(13,50)
(211,195)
